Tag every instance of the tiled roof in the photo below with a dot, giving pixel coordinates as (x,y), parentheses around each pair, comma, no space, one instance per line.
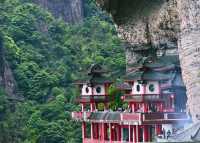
(160,62)
(123,86)
(147,75)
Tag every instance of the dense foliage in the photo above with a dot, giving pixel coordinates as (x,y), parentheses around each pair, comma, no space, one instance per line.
(46,56)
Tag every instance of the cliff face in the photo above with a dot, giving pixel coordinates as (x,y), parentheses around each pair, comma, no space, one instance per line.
(189,51)
(71,11)
(163,24)
(144,23)
(6,76)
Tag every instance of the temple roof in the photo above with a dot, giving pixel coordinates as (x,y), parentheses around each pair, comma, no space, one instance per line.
(156,68)
(96,69)
(123,86)
(162,63)
(95,75)
(96,80)
(147,75)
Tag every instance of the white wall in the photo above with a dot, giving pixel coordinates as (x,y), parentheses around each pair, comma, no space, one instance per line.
(83,91)
(102,90)
(146,87)
(134,88)
(156,87)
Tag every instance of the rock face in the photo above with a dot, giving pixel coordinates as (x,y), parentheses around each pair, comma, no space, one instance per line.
(189,51)
(145,23)
(6,77)
(71,11)
(163,24)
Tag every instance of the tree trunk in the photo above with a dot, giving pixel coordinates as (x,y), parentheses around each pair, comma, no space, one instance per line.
(189,52)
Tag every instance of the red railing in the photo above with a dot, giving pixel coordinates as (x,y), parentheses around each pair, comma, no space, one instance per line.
(148,118)
(164,117)
(87,140)
(130,116)
(142,98)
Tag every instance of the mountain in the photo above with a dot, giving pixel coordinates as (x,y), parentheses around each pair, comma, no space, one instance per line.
(40,57)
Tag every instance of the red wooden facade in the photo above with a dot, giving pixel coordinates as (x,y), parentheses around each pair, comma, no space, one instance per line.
(148,113)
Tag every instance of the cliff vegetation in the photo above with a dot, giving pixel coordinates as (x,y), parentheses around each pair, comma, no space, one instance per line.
(45,56)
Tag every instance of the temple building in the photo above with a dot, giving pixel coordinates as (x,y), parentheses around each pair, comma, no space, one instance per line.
(155,95)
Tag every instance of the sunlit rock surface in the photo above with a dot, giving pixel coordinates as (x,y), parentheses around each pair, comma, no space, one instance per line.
(71,11)
(163,24)
(144,23)
(189,51)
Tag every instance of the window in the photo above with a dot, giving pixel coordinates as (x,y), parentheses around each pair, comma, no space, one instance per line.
(138,88)
(151,88)
(87,90)
(98,89)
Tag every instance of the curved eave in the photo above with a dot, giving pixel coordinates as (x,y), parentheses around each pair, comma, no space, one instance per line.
(93,82)
(124,87)
(146,79)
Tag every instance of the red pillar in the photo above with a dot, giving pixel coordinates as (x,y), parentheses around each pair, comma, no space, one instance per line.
(109,131)
(161,107)
(96,130)
(112,132)
(91,130)
(134,107)
(145,107)
(106,131)
(145,133)
(134,134)
(83,130)
(101,128)
(82,107)
(137,133)
(92,107)
(129,133)
(122,133)
(119,133)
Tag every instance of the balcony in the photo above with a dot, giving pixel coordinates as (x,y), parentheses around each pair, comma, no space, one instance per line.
(130,118)
(142,98)
(164,118)
(87,140)
(106,116)
(92,98)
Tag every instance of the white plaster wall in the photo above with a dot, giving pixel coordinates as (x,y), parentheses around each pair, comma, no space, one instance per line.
(103,92)
(84,90)
(156,87)
(134,88)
